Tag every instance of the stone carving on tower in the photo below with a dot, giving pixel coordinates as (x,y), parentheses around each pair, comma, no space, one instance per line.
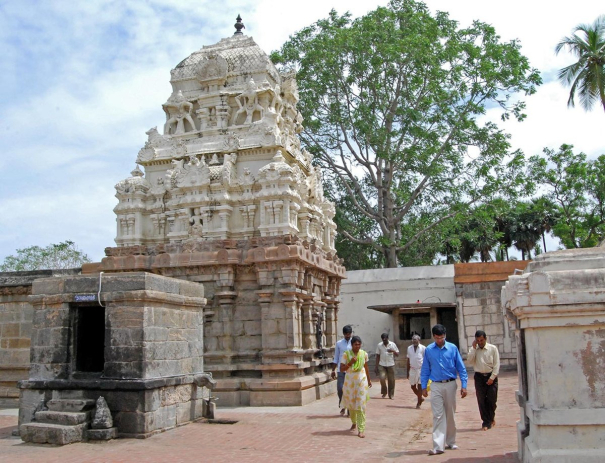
(229,142)
(228,192)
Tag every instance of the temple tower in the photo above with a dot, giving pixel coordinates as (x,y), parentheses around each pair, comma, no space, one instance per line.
(224,195)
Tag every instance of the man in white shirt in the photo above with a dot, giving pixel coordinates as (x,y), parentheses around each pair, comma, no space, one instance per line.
(341,347)
(485,360)
(414,365)
(385,365)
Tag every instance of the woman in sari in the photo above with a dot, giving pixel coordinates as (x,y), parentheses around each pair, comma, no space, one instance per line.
(355,392)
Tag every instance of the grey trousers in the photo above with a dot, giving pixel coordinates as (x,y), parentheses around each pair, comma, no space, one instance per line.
(443,404)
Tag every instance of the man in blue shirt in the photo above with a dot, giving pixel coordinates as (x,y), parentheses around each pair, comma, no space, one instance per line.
(442,363)
(341,347)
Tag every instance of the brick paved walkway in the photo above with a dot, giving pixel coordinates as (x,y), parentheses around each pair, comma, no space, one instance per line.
(396,432)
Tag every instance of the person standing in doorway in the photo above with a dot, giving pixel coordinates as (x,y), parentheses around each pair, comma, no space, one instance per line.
(357,383)
(385,365)
(341,346)
(485,360)
(442,363)
(414,365)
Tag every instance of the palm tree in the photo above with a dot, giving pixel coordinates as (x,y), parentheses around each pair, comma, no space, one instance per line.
(587,75)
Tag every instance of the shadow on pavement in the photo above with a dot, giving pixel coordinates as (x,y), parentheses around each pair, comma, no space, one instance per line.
(323,417)
(344,432)
(506,458)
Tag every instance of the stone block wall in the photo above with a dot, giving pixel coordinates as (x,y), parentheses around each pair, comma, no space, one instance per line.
(270,321)
(16,315)
(478,289)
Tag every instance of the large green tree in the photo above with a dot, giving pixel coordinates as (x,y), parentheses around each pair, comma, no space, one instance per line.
(54,256)
(575,188)
(393,103)
(586,76)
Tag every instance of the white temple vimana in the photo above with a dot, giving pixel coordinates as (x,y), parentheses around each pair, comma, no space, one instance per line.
(228,163)
(224,195)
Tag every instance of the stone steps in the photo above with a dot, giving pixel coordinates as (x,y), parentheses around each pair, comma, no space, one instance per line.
(66,421)
(64,418)
(70,405)
(50,433)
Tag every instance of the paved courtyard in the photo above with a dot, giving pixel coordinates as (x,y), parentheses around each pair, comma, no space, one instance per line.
(396,432)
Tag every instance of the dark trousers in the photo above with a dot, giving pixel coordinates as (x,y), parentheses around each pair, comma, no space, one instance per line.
(487,396)
(339,384)
(387,376)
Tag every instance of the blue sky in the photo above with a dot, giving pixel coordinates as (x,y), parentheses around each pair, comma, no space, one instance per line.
(81,82)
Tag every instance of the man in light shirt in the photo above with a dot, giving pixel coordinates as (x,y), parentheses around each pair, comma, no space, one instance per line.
(442,363)
(414,365)
(385,365)
(485,360)
(341,347)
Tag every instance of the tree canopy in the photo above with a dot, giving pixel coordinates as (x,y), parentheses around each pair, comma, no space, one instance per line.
(575,188)
(54,256)
(585,77)
(392,102)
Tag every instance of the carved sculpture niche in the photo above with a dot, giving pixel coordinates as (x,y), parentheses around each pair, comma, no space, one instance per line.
(178,111)
(249,109)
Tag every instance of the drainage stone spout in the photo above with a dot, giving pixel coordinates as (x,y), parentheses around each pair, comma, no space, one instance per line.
(205,379)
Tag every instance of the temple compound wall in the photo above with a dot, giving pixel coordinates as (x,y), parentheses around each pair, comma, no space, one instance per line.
(16,316)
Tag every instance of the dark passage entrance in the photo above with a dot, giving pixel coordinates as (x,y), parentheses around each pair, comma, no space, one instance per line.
(90,339)
(447,317)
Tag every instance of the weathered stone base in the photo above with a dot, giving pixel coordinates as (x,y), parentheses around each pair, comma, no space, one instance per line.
(102,434)
(532,453)
(140,408)
(235,392)
(46,433)
(564,435)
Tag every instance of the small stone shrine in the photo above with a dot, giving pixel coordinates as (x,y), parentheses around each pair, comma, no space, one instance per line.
(136,352)
(226,197)
(558,308)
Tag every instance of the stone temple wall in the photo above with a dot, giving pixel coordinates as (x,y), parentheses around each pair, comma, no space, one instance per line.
(16,315)
(270,321)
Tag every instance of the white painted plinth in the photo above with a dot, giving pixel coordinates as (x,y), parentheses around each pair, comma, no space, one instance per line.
(558,305)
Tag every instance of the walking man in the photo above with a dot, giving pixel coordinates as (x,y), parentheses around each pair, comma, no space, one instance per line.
(442,363)
(414,364)
(341,347)
(385,365)
(485,359)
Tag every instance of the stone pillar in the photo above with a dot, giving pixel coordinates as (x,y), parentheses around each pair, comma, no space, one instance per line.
(291,302)
(558,307)
(307,321)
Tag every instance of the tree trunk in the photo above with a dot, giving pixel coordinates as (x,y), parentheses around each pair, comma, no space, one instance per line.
(391,256)
(544,241)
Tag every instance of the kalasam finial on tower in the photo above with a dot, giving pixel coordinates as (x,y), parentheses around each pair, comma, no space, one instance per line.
(239,25)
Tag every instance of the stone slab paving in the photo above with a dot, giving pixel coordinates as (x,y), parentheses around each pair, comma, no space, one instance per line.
(396,431)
